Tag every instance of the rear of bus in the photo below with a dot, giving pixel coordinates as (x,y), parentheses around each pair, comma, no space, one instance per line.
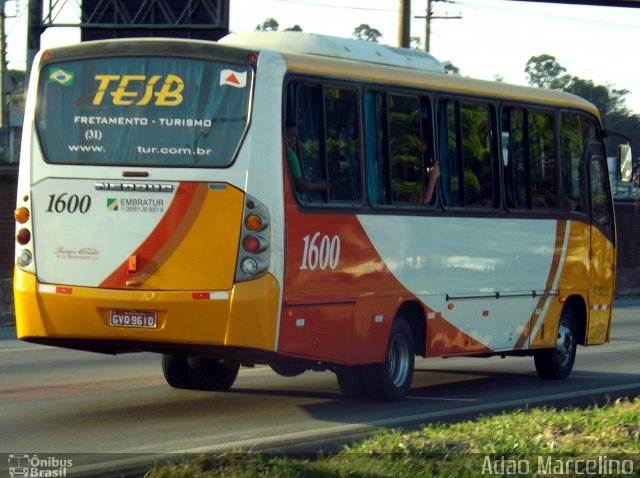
(134,227)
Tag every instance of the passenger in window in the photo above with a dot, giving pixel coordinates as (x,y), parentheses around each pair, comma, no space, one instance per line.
(302,185)
(432,172)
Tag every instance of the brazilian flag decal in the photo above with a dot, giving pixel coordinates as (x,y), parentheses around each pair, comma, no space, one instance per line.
(112,204)
(65,78)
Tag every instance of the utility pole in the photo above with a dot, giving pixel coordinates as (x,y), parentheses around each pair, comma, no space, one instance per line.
(404,28)
(34,30)
(429,17)
(4,107)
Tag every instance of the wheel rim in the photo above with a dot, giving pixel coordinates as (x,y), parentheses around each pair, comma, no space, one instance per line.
(399,361)
(565,344)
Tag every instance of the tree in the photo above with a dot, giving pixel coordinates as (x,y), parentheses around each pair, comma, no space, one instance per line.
(272,25)
(608,100)
(627,124)
(544,71)
(269,25)
(365,32)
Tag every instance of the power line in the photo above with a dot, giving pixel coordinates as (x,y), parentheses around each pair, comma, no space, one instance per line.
(429,17)
(344,7)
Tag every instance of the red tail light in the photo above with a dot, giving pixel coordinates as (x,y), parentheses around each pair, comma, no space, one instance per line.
(251,244)
(254,254)
(23,237)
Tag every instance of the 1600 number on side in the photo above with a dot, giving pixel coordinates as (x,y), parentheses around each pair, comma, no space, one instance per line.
(320,252)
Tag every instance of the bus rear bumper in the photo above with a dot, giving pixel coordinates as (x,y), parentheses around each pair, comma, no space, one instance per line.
(244,317)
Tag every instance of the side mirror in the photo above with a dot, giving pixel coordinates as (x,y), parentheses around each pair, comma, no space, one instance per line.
(625,163)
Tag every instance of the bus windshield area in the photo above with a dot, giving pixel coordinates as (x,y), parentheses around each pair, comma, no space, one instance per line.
(152,111)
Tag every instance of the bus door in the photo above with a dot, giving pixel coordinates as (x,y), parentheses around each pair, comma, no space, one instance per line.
(603,254)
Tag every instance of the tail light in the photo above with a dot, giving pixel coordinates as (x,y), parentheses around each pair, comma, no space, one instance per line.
(23,236)
(22,215)
(24,243)
(255,241)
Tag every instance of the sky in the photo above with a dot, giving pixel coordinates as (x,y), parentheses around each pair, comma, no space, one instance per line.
(493,37)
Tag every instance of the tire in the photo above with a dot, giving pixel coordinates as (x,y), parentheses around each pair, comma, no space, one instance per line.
(391,380)
(557,363)
(176,371)
(286,370)
(351,381)
(212,374)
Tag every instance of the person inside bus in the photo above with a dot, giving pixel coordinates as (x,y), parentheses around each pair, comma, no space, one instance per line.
(432,172)
(302,185)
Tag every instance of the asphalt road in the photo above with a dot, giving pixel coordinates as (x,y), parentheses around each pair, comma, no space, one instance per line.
(96,410)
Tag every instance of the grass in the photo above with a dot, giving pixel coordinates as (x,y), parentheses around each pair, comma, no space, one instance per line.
(531,442)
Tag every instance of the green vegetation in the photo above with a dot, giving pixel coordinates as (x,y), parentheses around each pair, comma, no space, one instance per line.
(544,71)
(597,441)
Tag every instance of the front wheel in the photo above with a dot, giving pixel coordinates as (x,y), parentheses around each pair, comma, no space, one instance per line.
(557,363)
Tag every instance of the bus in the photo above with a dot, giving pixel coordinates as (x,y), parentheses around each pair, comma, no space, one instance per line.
(307,203)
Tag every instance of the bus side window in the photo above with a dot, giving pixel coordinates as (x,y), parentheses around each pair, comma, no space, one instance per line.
(405,146)
(449,160)
(468,174)
(399,149)
(429,163)
(375,134)
(342,144)
(542,151)
(514,147)
(308,120)
(600,195)
(477,156)
(575,135)
(327,129)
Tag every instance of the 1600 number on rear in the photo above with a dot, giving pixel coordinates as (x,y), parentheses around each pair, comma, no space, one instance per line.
(69,203)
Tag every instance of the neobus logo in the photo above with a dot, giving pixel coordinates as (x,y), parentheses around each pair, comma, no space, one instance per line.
(134,187)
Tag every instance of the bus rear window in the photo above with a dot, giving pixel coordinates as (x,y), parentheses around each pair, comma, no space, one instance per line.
(148,111)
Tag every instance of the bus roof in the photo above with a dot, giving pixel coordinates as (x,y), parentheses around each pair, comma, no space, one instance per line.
(335,47)
(321,54)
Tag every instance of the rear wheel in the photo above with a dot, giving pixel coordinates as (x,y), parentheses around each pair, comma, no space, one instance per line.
(212,374)
(557,363)
(176,371)
(391,379)
(351,381)
(287,370)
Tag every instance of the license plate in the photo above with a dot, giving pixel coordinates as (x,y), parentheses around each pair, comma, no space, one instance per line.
(144,319)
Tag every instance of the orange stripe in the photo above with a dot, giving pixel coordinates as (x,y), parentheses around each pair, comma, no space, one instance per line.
(561,230)
(163,240)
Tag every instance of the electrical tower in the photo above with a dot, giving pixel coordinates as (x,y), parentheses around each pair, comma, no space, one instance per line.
(102,19)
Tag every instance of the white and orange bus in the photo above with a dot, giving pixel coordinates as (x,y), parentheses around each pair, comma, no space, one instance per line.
(274,198)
